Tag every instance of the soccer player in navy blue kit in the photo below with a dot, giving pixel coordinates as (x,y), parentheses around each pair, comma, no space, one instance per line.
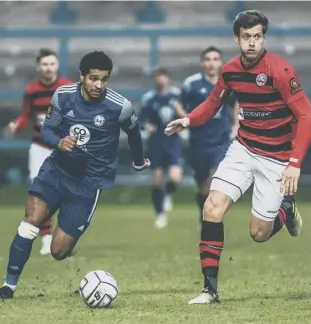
(157,110)
(83,125)
(209,142)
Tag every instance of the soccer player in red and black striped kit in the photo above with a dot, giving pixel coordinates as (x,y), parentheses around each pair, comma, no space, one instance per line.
(37,97)
(270,99)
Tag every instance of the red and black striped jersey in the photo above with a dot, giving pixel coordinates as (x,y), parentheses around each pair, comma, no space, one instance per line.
(266,93)
(37,98)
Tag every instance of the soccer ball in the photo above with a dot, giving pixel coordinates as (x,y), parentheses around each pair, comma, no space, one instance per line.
(99,289)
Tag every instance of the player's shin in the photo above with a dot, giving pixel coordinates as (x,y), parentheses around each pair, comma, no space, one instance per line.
(157,196)
(278,222)
(19,252)
(171,187)
(211,246)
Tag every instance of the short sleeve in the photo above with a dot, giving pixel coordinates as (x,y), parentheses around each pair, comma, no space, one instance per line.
(54,112)
(185,92)
(128,118)
(288,83)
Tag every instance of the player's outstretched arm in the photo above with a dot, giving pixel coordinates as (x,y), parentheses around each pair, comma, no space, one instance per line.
(292,93)
(129,123)
(23,119)
(180,110)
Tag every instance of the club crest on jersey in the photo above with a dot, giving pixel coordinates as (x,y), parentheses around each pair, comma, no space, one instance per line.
(261,79)
(99,120)
(294,85)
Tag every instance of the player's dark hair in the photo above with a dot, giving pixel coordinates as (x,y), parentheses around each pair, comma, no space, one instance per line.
(249,19)
(161,71)
(43,52)
(95,60)
(209,50)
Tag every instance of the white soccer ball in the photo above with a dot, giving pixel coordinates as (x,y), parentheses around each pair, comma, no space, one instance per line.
(99,289)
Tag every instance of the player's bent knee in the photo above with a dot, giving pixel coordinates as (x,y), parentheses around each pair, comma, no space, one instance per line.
(258,235)
(176,179)
(260,230)
(215,207)
(175,174)
(27,230)
(59,254)
(158,177)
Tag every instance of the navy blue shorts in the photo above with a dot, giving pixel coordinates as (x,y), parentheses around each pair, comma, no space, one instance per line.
(203,162)
(76,202)
(163,158)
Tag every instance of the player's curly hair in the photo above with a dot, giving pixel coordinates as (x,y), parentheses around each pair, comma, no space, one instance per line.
(249,19)
(95,60)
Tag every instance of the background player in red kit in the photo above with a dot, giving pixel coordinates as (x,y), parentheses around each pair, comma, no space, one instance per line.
(270,97)
(37,97)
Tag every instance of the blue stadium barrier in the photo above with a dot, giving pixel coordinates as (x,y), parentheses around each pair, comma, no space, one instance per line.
(64,34)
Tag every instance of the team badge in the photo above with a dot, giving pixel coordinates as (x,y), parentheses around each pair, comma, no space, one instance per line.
(294,85)
(261,79)
(98,120)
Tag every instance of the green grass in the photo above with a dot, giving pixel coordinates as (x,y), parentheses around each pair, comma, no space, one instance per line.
(159,271)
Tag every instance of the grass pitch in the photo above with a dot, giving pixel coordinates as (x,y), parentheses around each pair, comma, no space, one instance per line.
(159,271)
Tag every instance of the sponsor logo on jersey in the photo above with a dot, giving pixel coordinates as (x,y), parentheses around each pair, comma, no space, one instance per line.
(70,113)
(81,133)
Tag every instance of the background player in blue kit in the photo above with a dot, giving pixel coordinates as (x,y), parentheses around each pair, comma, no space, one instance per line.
(83,125)
(209,142)
(157,110)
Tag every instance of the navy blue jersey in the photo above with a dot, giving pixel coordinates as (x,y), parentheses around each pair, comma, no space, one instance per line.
(96,124)
(216,131)
(159,110)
